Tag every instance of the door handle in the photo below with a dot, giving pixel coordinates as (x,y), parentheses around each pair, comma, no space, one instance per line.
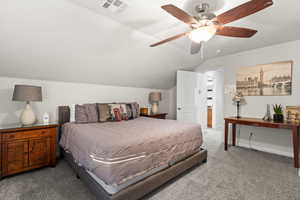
(178,108)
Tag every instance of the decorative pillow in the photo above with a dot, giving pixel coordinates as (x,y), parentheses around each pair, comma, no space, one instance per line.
(104,112)
(129,111)
(115,112)
(135,110)
(124,112)
(80,114)
(92,112)
(86,113)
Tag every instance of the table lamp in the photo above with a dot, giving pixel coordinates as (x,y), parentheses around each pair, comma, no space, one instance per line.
(27,93)
(154,98)
(238,99)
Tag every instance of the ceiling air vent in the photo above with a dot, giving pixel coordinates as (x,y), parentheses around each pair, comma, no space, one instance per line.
(113,5)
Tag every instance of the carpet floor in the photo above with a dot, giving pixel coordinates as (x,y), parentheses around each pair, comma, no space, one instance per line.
(239,174)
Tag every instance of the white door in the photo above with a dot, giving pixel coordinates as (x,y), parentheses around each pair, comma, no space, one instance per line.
(191,97)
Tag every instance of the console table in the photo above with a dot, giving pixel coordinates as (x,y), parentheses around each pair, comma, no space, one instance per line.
(294,126)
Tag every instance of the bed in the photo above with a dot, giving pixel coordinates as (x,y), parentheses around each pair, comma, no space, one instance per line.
(129,159)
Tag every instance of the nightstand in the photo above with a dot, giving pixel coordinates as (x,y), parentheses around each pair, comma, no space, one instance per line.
(25,148)
(157,116)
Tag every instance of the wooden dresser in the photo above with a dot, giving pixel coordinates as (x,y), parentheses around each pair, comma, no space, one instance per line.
(27,147)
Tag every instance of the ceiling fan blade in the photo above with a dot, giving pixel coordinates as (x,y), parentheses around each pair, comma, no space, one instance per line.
(170,39)
(231,31)
(179,14)
(243,10)
(195,47)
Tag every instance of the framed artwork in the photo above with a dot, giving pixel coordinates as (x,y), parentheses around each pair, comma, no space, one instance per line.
(273,79)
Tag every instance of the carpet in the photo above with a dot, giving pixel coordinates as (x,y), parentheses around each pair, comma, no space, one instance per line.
(239,174)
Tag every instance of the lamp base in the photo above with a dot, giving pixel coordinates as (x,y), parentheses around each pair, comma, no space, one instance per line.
(154,108)
(28,117)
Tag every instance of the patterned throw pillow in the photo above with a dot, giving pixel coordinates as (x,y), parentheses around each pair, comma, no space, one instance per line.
(86,113)
(135,110)
(124,111)
(115,112)
(103,112)
(129,111)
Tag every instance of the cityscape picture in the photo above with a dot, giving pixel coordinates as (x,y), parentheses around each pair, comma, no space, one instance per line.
(273,79)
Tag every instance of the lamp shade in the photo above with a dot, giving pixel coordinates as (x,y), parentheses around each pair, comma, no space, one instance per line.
(27,93)
(238,97)
(155,96)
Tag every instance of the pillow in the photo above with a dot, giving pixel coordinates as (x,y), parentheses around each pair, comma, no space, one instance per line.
(115,112)
(92,112)
(80,114)
(103,112)
(129,111)
(135,110)
(86,113)
(124,112)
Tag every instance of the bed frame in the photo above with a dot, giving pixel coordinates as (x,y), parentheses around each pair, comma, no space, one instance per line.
(139,189)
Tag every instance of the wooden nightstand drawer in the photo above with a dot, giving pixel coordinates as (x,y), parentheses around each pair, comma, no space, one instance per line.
(26,134)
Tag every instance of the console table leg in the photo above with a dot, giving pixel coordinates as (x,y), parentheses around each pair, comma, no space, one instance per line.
(233,134)
(296,146)
(226,136)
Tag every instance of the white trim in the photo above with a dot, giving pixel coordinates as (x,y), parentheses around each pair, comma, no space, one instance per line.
(275,149)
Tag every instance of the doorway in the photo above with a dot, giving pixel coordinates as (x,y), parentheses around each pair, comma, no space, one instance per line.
(214,98)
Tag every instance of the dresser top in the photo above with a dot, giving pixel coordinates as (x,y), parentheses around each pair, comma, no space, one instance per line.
(20,127)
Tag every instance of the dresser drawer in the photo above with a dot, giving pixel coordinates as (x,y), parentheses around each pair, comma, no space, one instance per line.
(27,134)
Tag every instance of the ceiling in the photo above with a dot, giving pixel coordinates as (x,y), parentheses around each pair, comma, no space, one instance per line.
(79,41)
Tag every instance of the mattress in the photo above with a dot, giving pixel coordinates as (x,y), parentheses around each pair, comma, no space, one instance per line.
(119,153)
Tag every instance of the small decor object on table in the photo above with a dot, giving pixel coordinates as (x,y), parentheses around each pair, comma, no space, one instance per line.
(268,117)
(155,98)
(144,111)
(46,118)
(27,93)
(278,113)
(238,99)
(293,113)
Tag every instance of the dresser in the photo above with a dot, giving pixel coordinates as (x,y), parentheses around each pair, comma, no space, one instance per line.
(25,148)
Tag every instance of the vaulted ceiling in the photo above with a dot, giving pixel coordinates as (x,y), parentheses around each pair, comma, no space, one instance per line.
(80,41)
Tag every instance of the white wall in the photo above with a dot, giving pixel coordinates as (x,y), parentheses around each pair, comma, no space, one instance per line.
(172,103)
(272,140)
(62,93)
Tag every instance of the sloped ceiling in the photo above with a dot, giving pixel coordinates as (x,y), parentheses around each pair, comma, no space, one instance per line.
(78,41)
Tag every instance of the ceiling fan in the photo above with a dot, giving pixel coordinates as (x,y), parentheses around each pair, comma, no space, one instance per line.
(207,24)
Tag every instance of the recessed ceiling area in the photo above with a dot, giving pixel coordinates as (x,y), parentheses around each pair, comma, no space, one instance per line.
(80,41)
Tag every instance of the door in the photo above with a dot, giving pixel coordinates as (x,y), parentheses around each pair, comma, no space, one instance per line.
(15,157)
(191,97)
(209,117)
(39,151)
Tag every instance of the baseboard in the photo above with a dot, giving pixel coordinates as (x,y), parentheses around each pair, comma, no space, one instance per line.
(274,149)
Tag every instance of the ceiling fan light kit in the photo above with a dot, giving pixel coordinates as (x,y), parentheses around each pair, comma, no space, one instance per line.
(203,34)
(206,24)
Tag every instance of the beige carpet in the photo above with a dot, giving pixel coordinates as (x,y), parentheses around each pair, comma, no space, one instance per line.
(239,174)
